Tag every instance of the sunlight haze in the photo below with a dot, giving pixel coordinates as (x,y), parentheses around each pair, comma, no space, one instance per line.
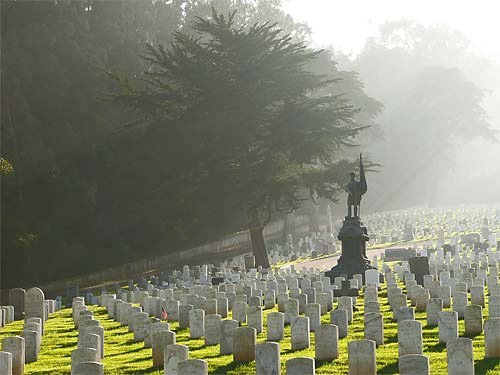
(346,25)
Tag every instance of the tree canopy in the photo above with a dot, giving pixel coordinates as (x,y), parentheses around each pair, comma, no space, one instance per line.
(237,109)
(82,189)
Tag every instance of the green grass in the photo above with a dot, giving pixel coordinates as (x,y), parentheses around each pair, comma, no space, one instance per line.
(123,356)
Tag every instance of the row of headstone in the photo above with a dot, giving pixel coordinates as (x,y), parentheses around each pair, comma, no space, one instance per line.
(86,358)
(410,331)
(16,351)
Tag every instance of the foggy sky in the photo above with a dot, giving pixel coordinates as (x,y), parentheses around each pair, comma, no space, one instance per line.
(347,24)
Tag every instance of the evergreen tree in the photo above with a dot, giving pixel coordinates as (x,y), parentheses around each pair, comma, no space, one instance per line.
(236,109)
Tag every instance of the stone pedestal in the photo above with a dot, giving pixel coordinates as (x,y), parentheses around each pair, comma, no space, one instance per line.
(353,259)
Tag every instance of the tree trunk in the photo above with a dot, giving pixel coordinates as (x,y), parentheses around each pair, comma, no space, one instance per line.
(258,243)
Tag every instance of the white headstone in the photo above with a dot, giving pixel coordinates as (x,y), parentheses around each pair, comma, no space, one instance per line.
(459,356)
(409,337)
(244,340)
(267,358)
(174,354)
(362,357)
(227,328)
(326,342)
(300,333)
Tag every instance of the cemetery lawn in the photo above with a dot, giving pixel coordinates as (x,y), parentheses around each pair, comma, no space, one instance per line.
(123,356)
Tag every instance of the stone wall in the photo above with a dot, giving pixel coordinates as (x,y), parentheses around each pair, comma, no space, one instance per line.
(235,244)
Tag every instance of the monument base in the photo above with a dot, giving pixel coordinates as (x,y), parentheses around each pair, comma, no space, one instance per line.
(353,259)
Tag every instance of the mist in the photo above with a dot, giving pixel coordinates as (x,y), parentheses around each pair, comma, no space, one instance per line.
(87,171)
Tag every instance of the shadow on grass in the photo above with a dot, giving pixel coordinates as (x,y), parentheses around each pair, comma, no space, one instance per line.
(391,339)
(229,367)
(472,335)
(127,352)
(439,347)
(428,327)
(149,370)
(319,363)
(486,364)
(393,368)
(67,344)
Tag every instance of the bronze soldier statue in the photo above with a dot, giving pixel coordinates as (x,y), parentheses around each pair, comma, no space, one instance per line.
(355,190)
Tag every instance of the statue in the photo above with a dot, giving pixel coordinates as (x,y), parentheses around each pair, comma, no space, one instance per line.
(355,190)
(353,234)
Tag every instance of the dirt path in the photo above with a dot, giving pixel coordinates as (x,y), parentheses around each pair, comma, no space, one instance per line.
(324,264)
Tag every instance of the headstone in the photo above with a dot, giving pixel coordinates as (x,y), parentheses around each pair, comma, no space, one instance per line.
(192,367)
(399,254)
(300,333)
(434,307)
(89,368)
(444,293)
(302,298)
(222,306)
(184,315)
(300,366)
(172,309)
(196,323)
(6,363)
(267,358)
(161,339)
(326,342)
(275,326)
(212,329)
(362,357)
(492,338)
(83,355)
(139,323)
(372,277)
(397,301)
(421,300)
(31,344)
(244,340)
(254,318)
(405,313)
(459,356)
(313,312)
(414,364)
(409,337)
(174,354)
(447,325)
(477,295)
(460,300)
(210,306)
(494,307)
(346,304)
(227,328)
(34,305)
(240,311)
(269,299)
(96,330)
(374,328)
(339,318)
(15,346)
(16,299)
(473,317)
(291,310)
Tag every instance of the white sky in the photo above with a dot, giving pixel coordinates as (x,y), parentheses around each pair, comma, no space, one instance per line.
(346,24)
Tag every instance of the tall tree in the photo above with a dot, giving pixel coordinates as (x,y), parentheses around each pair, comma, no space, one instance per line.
(236,109)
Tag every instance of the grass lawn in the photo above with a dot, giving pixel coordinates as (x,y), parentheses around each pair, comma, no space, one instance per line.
(123,356)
